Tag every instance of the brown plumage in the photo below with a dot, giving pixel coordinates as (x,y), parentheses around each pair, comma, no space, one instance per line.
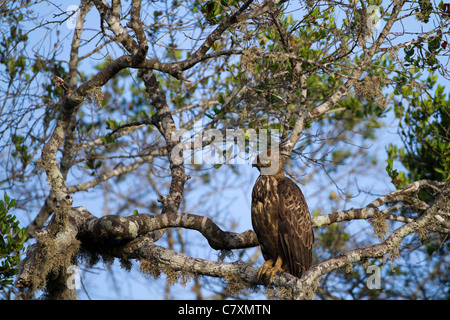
(281,220)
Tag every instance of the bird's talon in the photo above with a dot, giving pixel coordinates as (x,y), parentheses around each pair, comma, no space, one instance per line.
(265,269)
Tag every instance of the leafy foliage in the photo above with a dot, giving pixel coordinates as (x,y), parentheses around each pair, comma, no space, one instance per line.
(425,132)
(424,127)
(253,76)
(11,242)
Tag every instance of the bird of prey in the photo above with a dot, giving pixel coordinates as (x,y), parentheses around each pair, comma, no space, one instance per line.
(280,219)
(58,82)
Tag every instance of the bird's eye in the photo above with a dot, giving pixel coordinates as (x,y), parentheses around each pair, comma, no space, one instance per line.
(266,161)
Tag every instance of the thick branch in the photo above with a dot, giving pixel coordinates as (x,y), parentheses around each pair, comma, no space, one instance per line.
(128,228)
(163,120)
(113,228)
(113,21)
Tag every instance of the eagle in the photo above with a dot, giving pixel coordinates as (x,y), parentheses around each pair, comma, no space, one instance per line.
(280,219)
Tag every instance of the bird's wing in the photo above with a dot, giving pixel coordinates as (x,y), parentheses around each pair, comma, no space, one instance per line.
(294,227)
(265,219)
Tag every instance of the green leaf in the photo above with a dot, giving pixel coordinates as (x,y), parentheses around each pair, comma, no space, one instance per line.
(289,19)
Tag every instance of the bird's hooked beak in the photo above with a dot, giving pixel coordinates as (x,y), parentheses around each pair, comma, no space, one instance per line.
(256,164)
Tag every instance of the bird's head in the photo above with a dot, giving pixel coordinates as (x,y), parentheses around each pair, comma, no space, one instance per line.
(268,162)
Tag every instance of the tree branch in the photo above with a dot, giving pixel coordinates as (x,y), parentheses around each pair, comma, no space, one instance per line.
(327,105)
(126,237)
(388,246)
